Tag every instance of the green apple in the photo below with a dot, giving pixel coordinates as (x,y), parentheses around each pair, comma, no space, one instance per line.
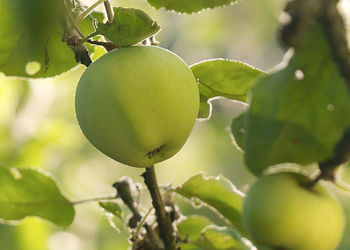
(281,211)
(137,104)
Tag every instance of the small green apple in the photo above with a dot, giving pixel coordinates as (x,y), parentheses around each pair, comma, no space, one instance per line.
(137,104)
(282,212)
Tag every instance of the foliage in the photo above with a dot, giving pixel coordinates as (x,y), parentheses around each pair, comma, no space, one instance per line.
(295,114)
(189,7)
(111,207)
(223,78)
(129,27)
(305,118)
(27,192)
(35,56)
(217,192)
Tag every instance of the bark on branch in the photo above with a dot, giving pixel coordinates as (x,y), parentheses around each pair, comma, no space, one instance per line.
(166,230)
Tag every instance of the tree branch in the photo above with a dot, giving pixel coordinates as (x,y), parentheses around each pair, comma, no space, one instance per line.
(124,192)
(302,13)
(341,156)
(71,37)
(166,230)
(109,46)
(334,26)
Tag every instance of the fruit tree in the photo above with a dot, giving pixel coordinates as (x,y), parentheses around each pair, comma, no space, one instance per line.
(174,124)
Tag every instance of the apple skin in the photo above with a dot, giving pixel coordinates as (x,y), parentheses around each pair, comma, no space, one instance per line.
(137,104)
(280,213)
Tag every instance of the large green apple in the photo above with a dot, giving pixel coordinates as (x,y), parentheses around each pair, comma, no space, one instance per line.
(137,104)
(282,212)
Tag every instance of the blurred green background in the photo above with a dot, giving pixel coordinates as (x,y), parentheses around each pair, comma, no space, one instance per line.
(38,127)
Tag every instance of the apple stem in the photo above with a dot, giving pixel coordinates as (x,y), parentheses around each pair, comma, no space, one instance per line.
(166,230)
(109,46)
(341,155)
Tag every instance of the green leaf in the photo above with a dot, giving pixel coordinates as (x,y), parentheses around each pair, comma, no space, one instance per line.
(215,238)
(129,27)
(218,193)
(33,50)
(28,192)
(188,246)
(192,226)
(299,113)
(219,77)
(98,16)
(205,108)
(185,6)
(200,234)
(111,207)
(239,131)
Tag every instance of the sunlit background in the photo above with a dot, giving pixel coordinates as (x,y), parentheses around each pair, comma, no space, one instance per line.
(38,127)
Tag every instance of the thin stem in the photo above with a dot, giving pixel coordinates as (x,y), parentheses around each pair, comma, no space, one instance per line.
(86,39)
(341,155)
(95,199)
(109,46)
(86,12)
(142,222)
(68,16)
(343,186)
(109,10)
(75,26)
(166,230)
(124,192)
(71,37)
(169,191)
